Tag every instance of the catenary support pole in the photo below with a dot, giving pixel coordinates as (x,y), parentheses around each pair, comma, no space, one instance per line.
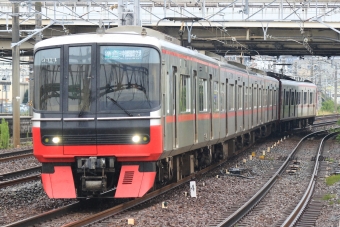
(16,75)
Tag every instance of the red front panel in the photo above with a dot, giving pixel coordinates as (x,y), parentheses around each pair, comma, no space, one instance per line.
(131,152)
(133,183)
(59,184)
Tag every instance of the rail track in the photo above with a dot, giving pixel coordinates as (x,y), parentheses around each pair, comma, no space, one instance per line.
(17,177)
(114,210)
(303,214)
(109,212)
(9,156)
(258,201)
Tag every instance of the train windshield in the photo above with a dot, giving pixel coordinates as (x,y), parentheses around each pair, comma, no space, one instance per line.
(47,85)
(129,78)
(124,78)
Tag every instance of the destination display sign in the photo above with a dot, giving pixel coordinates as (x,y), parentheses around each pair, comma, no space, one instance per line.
(119,54)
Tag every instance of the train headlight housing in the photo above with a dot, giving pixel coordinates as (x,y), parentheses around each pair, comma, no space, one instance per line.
(140,139)
(51,140)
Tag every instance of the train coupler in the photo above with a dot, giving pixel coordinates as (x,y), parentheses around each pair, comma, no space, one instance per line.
(94,183)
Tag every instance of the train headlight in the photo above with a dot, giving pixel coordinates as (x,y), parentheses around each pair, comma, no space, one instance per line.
(51,140)
(55,139)
(136,139)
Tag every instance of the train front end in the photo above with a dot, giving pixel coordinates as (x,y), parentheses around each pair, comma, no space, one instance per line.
(97,117)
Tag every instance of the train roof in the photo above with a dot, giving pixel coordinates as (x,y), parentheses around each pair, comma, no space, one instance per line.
(297,83)
(106,37)
(149,37)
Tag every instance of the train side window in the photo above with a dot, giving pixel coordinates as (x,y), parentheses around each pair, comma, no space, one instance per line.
(260,97)
(245,97)
(311,98)
(231,97)
(298,98)
(305,98)
(222,97)
(215,97)
(255,97)
(287,98)
(168,91)
(184,94)
(202,95)
(292,99)
(240,99)
(270,97)
(274,97)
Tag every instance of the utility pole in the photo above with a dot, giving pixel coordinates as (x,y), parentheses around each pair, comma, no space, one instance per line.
(335,88)
(15,75)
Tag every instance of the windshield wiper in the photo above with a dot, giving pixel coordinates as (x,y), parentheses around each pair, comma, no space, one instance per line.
(115,102)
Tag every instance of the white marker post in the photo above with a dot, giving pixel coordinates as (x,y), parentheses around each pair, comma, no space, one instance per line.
(193,188)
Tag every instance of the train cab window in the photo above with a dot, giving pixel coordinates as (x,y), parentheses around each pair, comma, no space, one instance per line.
(215,97)
(47,83)
(231,97)
(311,98)
(202,95)
(184,94)
(305,98)
(79,79)
(129,78)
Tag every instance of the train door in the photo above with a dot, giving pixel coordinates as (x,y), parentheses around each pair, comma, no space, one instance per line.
(236,105)
(79,108)
(226,106)
(202,108)
(289,104)
(259,106)
(168,106)
(254,98)
(244,96)
(295,103)
(211,97)
(284,103)
(174,106)
(195,85)
(251,106)
(245,107)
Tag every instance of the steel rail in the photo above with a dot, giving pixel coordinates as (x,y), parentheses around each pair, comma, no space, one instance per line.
(250,204)
(18,181)
(20,173)
(16,157)
(296,213)
(115,210)
(15,153)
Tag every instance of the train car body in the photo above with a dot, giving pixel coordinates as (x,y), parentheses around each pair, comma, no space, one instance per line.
(298,104)
(127,111)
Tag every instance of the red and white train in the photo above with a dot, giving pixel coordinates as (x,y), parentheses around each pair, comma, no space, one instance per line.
(125,111)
